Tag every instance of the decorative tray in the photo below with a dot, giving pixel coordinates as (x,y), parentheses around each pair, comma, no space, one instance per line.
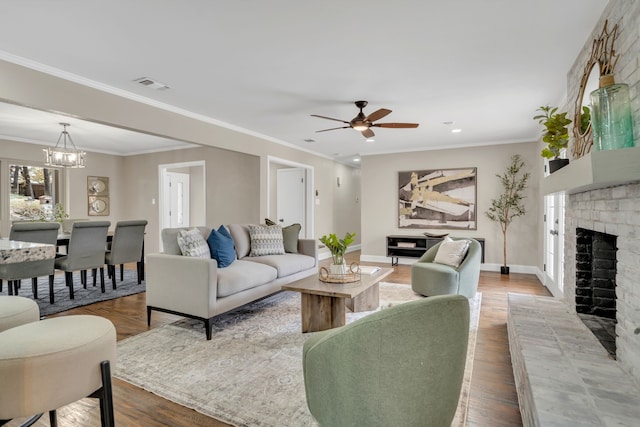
(350,276)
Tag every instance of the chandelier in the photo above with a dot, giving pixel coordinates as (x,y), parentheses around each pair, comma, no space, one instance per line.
(63,155)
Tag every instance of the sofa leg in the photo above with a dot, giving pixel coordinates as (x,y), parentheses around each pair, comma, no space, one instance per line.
(207,328)
(148,316)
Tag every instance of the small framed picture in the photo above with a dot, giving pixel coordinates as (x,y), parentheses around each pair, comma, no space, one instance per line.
(97,186)
(98,206)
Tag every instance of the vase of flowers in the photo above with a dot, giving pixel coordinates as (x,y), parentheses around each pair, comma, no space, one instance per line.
(338,248)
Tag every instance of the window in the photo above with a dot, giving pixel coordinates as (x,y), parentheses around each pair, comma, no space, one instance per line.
(34,192)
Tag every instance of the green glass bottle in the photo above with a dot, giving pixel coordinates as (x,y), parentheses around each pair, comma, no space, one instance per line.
(611,115)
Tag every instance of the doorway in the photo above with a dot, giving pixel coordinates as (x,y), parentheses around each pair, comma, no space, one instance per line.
(554,243)
(290,194)
(182,189)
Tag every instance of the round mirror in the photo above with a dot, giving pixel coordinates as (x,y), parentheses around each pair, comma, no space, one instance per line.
(593,82)
(582,118)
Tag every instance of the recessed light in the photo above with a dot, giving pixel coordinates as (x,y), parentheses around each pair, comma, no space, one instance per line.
(450,122)
(456,130)
(370,139)
(356,159)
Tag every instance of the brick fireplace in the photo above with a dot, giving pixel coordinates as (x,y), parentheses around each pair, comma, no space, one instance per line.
(613,211)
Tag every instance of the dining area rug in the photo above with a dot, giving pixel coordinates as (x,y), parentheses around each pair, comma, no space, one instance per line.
(250,372)
(82,297)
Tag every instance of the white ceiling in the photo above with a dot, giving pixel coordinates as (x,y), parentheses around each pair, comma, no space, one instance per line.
(486,65)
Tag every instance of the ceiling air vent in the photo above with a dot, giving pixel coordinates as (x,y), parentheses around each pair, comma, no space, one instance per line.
(146,81)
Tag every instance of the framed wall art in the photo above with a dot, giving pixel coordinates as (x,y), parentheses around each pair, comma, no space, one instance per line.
(98,195)
(438,198)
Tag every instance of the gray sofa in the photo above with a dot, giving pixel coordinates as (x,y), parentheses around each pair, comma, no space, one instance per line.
(197,288)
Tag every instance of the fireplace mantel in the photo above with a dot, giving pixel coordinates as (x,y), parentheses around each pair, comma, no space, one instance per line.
(598,169)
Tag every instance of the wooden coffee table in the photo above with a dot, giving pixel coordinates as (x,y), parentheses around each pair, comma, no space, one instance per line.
(324,304)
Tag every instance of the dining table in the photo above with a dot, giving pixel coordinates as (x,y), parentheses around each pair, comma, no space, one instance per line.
(12,251)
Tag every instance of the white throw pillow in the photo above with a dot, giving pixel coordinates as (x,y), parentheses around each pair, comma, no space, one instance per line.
(192,244)
(266,240)
(451,252)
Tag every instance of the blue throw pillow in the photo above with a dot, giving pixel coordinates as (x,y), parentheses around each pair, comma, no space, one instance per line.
(221,247)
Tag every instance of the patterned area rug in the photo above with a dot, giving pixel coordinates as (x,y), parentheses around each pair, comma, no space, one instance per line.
(82,296)
(250,373)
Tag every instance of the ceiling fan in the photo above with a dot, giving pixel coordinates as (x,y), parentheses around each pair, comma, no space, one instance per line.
(364,123)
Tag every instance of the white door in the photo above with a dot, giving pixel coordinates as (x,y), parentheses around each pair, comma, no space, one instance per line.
(554,243)
(176,205)
(290,197)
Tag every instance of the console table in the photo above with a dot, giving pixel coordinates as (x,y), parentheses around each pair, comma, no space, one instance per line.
(415,246)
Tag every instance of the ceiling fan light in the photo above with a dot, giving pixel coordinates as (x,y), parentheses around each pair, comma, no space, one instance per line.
(360,127)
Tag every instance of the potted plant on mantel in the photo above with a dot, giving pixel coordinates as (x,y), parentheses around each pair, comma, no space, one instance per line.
(338,248)
(556,135)
(509,204)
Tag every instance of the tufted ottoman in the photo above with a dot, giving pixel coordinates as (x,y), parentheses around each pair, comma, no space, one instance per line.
(48,364)
(16,311)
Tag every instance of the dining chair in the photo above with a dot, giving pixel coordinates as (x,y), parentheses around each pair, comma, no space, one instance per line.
(126,246)
(87,246)
(35,232)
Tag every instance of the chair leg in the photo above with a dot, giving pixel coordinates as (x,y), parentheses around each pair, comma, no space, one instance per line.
(10,286)
(83,278)
(93,274)
(34,287)
(16,286)
(102,277)
(68,278)
(140,272)
(121,272)
(51,289)
(113,275)
(0,285)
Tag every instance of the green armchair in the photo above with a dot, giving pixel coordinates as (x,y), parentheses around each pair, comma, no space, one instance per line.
(401,366)
(429,278)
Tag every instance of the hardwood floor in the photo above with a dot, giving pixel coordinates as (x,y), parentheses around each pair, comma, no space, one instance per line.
(493,400)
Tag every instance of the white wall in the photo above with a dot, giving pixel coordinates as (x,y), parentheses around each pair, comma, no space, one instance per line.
(380,200)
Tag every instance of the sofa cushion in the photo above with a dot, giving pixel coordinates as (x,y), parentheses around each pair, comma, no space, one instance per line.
(243,275)
(221,247)
(170,239)
(285,264)
(266,240)
(240,235)
(451,252)
(192,244)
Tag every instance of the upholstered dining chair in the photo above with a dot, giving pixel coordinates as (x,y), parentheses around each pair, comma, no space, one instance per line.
(401,366)
(87,246)
(126,246)
(35,232)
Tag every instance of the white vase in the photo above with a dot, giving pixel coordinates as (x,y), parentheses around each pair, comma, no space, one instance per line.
(338,268)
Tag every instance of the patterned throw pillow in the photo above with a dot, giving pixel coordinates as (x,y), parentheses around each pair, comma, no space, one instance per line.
(266,240)
(192,244)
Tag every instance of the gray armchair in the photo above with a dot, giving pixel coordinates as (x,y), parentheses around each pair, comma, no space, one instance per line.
(429,278)
(35,232)
(126,246)
(86,250)
(402,366)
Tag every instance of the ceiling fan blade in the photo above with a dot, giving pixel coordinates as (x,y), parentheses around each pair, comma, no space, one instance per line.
(377,115)
(341,127)
(368,133)
(396,125)
(329,118)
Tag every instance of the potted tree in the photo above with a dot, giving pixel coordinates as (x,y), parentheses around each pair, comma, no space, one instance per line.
(338,248)
(556,135)
(509,204)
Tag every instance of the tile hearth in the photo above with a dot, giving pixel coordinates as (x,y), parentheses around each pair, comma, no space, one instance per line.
(563,374)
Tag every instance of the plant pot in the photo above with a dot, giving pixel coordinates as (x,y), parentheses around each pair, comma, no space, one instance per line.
(504,270)
(338,269)
(556,164)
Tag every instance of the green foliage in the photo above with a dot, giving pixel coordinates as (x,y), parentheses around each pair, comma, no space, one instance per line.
(509,204)
(557,131)
(338,247)
(585,119)
(58,214)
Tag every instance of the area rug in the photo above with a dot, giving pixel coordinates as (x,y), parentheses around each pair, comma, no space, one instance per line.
(250,373)
(82,297)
